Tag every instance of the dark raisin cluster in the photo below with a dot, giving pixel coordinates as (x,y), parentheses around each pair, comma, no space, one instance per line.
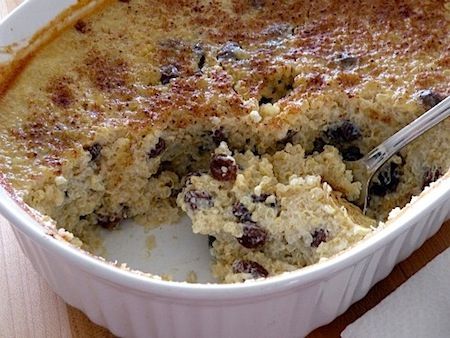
(211,139)
(95,150)
(253,236)
(223,168)
(158,149)
(250,267)
(319,236)
(264,100)
(387,180)
(198,199)
(81,26)
(168,72)
(218,136)
(343,132)
(351,153)
(211,240)
(199,53)
(262,199)
(342,135)
(241,212)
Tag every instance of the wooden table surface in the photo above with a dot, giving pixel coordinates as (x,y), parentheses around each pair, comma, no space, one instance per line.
(28,308)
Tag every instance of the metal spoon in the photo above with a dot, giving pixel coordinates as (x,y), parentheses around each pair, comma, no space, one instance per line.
(370,163)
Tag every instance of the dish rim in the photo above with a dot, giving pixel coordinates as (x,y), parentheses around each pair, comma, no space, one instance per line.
(34,229)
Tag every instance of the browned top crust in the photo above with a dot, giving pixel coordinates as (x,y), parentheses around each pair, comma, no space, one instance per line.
(138,66)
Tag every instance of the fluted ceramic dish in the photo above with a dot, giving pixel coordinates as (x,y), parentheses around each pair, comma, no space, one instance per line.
(134,305)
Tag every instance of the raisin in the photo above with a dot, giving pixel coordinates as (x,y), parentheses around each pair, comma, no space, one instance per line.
(158,149)
(318,145)
(198,199)
(319,236)
(253,236)
(218,136)
(223,168)
(430,98)
(262,198)
(211,240)
(125,1)
(346,60)
(95,150)
(387,180)
(264,100)
(241,212)
(259,198)
(200,54)
(431,175)
(228,51)
(81,26)
(108,222)
(201,61)
(163,166)
(351,153)
(168,73)
(342,132)
(250,267)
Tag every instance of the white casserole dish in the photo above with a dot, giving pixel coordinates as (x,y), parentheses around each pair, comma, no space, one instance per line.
(289,305)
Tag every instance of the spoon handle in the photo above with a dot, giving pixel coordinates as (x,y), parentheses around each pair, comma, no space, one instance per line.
(379,155)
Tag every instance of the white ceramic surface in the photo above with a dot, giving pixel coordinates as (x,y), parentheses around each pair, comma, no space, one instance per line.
(152,250)
(290,305)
